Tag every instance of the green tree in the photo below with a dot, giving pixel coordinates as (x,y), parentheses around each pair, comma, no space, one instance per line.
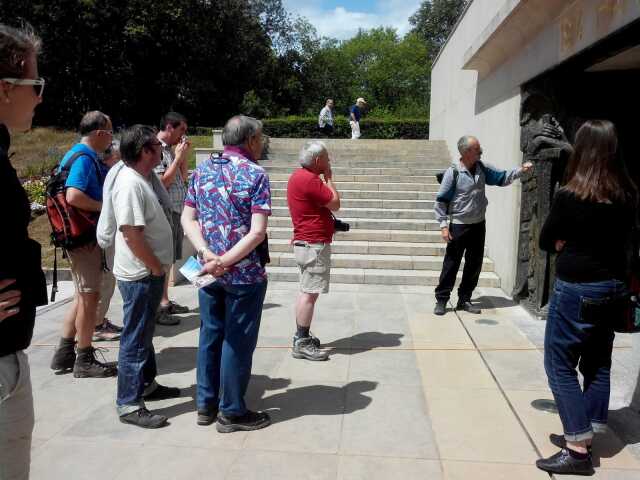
(135,59)
(392,73)
(435,20)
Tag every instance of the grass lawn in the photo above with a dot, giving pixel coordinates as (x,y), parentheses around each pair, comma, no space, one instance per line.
(39,150)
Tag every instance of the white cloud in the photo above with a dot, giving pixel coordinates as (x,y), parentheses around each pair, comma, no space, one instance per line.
(343,23)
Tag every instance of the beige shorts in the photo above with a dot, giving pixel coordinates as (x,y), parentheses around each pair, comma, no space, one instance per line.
(86,268)
(314,261)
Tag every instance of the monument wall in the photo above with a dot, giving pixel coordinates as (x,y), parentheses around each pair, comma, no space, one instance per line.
(498,46)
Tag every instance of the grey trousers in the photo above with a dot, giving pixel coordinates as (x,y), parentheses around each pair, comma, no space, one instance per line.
(16,417)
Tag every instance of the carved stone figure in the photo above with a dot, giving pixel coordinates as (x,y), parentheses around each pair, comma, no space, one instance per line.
(544,143)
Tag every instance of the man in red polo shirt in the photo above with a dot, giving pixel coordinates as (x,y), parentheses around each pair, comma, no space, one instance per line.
(311,202)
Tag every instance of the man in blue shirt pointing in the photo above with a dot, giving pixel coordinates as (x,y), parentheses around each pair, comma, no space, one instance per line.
(460,209)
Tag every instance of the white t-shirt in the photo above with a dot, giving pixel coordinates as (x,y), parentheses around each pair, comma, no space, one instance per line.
(135,204)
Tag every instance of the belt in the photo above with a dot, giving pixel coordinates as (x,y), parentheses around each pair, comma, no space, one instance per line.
(301,243)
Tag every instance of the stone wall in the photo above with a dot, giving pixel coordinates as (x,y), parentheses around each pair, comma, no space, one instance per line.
(476,86)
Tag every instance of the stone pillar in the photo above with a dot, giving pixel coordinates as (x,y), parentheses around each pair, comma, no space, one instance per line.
(217,139)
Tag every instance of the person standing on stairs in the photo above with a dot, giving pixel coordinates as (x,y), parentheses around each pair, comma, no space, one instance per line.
(311,202)
(460,209)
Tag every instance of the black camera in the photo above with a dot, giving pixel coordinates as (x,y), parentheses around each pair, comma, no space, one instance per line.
(340,226)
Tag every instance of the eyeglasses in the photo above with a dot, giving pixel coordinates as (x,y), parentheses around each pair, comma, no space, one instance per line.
(106,132)
(36,83)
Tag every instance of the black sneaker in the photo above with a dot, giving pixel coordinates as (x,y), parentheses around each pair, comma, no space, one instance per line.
(247,422)
(88,366)
(440,308)
(64,357)
(163,317)
(563,463)
(175,308)
(144,418)
(468,307)
(561,442)
(206,416)
(162,393)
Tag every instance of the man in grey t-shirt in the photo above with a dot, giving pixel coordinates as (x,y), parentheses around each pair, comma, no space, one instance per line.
(143,254)
(173,172)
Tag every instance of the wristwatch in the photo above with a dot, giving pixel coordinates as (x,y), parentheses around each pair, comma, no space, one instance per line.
(200,252)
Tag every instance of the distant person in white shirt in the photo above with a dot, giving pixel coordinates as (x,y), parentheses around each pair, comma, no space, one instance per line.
(325,119)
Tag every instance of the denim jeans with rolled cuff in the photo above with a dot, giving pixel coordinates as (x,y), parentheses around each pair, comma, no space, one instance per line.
(230,316)
(137,358)
(574,338)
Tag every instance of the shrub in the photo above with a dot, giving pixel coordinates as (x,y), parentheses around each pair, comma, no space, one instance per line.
(35,189)
(387,128)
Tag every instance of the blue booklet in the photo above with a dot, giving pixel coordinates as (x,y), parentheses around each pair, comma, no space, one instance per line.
(191,271)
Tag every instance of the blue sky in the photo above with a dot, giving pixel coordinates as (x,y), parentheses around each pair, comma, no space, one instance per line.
(341,19)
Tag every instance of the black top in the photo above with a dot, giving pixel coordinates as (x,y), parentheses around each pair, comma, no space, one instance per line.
(597,238)
(19,256)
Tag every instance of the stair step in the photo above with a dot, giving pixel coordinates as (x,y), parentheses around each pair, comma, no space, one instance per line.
(378,262)
(369,194)
(371,223)
(376,213)
(421,179)
(371,203)
(339,171)
(379,277)
(419,163)
(378,238)
(435,248)
(387,187)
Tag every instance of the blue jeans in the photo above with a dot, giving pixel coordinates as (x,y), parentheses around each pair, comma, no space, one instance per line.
(230,316)
(574,339)
(137,358)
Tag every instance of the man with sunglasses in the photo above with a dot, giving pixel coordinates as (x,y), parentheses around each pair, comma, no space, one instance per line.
(143,255)
(84,192)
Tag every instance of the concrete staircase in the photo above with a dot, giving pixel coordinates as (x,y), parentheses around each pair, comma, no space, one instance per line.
(388,188)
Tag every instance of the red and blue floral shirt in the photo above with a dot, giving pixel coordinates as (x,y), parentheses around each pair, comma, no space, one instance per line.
(225,191)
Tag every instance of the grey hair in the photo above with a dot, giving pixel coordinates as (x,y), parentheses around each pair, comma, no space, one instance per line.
(16,45)
(134,140)
(464,143)
(239,129)
(310,152)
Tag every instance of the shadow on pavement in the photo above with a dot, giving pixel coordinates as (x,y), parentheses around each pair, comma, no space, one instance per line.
(363,342)
(176,360)
(289,404)
(267,306)
(625,423)
(189,406)
(317,400)
(188,321)
(488,302)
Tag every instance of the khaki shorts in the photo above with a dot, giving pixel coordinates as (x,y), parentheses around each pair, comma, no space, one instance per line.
(86,268)
(314,261)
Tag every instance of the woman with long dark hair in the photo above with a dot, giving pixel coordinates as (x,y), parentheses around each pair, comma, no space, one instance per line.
(590,225)
(22,284)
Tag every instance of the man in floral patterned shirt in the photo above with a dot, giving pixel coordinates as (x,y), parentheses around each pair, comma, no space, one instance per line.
(225,218)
